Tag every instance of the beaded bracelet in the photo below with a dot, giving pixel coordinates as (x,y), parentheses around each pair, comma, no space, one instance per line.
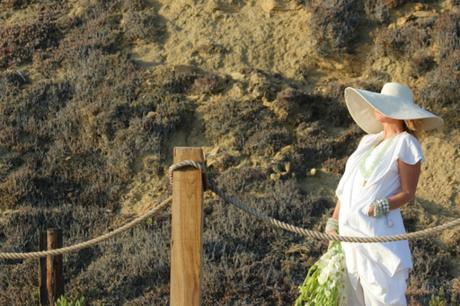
(332,224)
(381,207)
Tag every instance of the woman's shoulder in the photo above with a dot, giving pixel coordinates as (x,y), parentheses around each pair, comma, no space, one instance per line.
(410,149)
(409,139)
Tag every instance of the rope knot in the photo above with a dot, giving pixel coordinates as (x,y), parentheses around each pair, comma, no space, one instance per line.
(189,163)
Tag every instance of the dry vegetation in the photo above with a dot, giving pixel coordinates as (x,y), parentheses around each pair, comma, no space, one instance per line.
(82,120)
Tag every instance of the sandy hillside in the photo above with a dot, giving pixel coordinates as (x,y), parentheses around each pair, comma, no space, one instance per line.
(94,95)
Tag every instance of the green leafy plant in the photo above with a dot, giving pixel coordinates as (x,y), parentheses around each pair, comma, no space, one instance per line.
(63,301)
(323,284)
(438,300)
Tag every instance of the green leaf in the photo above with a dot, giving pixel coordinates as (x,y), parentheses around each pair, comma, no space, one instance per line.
(311,292)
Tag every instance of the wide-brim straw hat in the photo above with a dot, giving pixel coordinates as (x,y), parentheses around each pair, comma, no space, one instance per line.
(395,100)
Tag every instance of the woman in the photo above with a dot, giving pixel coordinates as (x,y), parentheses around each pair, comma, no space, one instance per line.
(380,176)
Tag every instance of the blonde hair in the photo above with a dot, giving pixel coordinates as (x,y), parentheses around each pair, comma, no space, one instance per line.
(414,127)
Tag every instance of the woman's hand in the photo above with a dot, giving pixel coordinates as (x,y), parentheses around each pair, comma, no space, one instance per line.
(370,211)
(332,232)
(329,230)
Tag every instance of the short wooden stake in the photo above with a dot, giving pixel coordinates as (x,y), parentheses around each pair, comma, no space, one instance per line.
(43,292)
(186,230)
(54,271)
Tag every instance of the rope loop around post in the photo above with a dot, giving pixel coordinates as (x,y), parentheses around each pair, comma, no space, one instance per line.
(209,184)
(189,163)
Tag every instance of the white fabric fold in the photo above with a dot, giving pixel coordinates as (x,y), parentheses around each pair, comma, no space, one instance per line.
(388,257)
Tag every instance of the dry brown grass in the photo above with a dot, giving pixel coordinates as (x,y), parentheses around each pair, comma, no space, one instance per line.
(78,116)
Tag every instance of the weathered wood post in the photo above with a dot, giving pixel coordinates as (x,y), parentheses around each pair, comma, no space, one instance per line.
(186,230)
(42,272)
(54,271)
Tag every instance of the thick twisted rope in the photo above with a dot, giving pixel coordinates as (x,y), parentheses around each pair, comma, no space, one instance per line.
(97,240)
(236,202)
(186,163)
(309,233)
(323,236)
(89,243)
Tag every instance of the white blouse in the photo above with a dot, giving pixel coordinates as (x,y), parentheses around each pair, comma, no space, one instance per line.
(355,197)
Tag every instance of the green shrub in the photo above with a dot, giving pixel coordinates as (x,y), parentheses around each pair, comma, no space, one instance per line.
(377,10)
(97,29)
(13,4)
(373,81)
(266,142)
(446,32)
(11,83)
(209,84)
(141,21)
(440,94)
(437,301)
(334,24)
(136,263)
(238,119)
(181,78)
(380,11)
(19,41)
(236,251)
(63,301)
(403,40)
(421,63)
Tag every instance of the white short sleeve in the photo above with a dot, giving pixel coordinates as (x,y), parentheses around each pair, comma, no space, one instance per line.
(411,150)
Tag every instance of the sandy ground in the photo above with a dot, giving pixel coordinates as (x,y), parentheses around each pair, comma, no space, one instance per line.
(226,36)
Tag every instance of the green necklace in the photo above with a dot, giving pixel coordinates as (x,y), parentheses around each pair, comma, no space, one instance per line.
(366,172)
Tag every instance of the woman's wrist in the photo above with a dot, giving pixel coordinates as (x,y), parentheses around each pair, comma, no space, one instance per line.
(332,224)
(379,207)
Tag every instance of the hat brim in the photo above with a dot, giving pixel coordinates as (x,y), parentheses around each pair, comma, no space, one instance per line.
(361,104)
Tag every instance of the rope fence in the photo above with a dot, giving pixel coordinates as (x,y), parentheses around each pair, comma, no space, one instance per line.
(186,232)
(211,185)
(91,242)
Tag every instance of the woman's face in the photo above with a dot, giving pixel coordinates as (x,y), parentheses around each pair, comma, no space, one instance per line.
(384,119)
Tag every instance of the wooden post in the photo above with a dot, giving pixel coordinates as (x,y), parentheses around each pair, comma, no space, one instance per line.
(186,230)
(54,277)
(42,271)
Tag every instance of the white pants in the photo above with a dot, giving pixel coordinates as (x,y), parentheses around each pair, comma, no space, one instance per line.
(390,292)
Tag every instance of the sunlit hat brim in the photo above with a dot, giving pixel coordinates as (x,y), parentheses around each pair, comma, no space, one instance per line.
(361,104)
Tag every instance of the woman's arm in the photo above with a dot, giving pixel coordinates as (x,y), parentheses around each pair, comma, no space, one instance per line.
(408,176)
(335,214)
